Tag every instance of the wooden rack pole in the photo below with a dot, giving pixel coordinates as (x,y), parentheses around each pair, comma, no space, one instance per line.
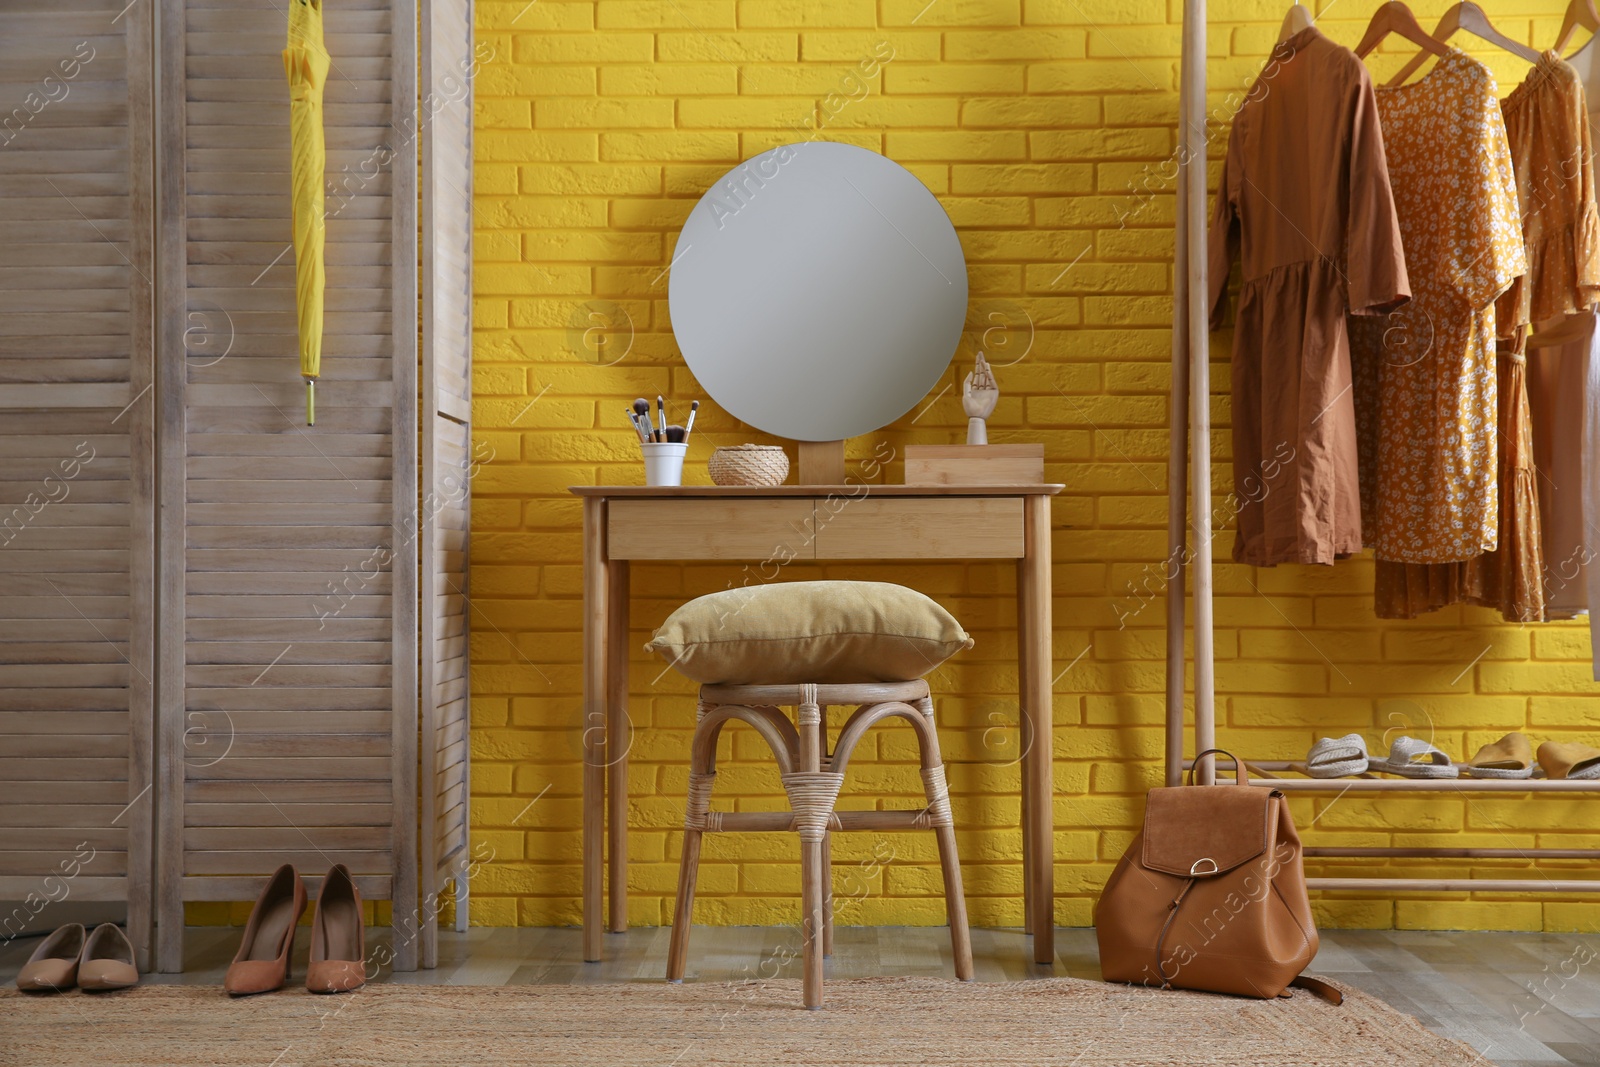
(1192,160)
(1456,885)
(1369,852)
(1177,482)
(1428,785)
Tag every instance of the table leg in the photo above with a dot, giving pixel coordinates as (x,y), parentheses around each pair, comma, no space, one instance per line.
(1038,707)
(593,725)
(619,739)
(1024,733)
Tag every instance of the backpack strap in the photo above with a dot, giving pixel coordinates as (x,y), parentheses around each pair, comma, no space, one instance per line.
(1326,990)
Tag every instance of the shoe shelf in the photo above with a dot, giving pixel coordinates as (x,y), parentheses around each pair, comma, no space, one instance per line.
(1266,774)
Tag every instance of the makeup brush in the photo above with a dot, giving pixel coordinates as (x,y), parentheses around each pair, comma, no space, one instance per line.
(634,421)
(676,434)
(641,408)
(689,426)
(661,409)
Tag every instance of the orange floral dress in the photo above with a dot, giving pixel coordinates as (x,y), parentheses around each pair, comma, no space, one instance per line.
(1546,120)
(1425,383)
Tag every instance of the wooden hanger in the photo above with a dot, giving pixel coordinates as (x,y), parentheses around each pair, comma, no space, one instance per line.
(1470,17)
(1580,13)
(1296,20)
(1395,17)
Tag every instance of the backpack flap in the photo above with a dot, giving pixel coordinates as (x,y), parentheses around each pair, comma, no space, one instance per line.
(1203,831)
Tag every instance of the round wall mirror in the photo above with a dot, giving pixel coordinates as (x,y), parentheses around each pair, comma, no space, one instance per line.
(818,291)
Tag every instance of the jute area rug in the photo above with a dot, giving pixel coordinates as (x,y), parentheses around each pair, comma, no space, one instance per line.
(916,1022)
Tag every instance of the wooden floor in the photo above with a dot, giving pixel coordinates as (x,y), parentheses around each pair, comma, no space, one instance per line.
(1519,999)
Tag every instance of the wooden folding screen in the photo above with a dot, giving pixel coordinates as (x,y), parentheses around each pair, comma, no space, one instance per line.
(209,611)
(288,612)
(76,461)
(448,65)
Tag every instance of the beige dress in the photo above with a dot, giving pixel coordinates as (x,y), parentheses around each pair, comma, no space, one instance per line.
(1304,203)
(1559,396)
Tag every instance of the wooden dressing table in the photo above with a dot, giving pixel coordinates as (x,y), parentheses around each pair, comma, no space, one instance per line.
(807,522)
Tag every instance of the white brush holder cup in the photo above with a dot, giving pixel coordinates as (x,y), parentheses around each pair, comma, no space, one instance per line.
(663,462)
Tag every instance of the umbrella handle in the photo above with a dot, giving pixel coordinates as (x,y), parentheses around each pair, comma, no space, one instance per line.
(311,401)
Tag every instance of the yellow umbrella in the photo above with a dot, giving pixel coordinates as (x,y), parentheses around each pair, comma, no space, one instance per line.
(306,63)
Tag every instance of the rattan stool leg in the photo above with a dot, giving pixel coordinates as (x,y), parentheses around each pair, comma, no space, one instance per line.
(955,903)
(811,922)
(683,910)
(696,818)
(808,716)
(937,790)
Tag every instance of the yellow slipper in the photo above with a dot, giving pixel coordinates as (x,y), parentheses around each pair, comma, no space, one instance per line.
(1568,759)
(1509,757)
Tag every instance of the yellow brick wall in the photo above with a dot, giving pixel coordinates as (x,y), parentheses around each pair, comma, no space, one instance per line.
(1046,128)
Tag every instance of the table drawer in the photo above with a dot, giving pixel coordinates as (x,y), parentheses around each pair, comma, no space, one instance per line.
(760,529)
(951,527)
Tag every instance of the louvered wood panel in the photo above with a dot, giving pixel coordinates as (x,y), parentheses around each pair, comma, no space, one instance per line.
(290,549)
(76,455)
(448,67)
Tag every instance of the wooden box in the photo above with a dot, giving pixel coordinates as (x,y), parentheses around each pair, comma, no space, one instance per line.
(975,464)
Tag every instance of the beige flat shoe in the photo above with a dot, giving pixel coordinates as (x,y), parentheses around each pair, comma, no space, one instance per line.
(1509,757)
(1568,759)
(338,938)
(53,966)
(107,961)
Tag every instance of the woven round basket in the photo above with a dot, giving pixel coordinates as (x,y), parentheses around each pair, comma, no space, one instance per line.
(749,465)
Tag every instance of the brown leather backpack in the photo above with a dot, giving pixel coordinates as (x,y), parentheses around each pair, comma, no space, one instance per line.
(1211,895)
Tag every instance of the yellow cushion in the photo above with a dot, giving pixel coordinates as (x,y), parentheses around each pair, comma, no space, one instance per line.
(824,632)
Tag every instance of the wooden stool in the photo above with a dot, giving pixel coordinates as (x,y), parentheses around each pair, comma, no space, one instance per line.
(811,779)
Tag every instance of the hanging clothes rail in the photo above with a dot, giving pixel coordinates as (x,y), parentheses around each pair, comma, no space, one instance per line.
(1189,548)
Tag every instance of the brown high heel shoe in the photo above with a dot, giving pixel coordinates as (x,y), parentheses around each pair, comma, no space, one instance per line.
(54,964)
(338,938)
(262,962)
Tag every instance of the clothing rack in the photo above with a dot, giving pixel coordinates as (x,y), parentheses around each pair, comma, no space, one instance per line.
(1190,422)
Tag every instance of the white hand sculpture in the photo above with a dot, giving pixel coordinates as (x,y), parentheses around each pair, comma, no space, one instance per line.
(979,395)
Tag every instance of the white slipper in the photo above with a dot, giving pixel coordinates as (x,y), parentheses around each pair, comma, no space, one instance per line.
(1404,760)
(1337,757)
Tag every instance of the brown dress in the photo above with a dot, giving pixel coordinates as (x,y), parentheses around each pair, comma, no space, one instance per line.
(1304,201)
(1547,131)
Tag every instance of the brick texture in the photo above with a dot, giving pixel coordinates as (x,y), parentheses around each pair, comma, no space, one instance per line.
(1046,128)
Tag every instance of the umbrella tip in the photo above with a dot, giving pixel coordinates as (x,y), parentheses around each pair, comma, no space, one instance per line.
(311,401)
